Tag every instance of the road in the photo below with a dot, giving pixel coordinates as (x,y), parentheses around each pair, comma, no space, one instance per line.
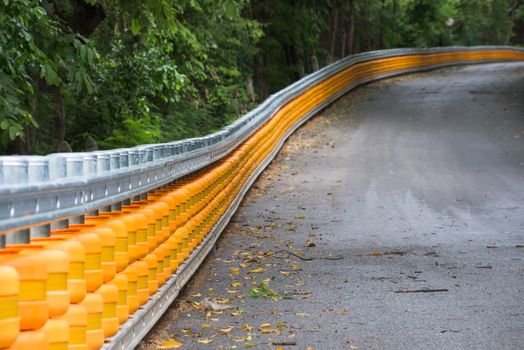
(404,185)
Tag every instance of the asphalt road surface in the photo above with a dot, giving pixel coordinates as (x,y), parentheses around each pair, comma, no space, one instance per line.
(406,198)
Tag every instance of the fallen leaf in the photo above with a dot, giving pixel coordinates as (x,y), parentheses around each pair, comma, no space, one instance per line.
(237,284)
(302,314)
(247,327)
(226,330)
(170,344)
(208,304)
(300,217)
(205,325)
(285,273)
(234,271)
(257,270)
(295,266)
(205,341)
(342,313)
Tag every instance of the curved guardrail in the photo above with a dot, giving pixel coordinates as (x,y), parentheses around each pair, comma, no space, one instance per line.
(123,268)
(40,189)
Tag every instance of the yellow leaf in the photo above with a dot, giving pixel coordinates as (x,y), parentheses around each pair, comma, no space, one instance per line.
(205,341)
(222,301)
(247,327)
(342,313)
(170,344)
(265,325)
(225,330)
(205,325)
(257,270)
(250,345)
(300,217)
(230,291)
(234,271)
(237,313)
(237,284)
(285,273)
(239,339)
(187,330)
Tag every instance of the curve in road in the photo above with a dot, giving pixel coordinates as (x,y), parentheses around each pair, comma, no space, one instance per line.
(404,186)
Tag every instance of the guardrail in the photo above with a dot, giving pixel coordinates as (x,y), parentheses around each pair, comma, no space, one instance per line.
(121,231)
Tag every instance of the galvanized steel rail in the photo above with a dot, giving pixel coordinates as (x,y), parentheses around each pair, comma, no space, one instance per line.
(37,190)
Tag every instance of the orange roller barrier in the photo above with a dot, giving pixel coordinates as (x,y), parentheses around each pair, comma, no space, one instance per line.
(33,308)
(57,332)
(57,263)
(122,309)
(76,317)
(31,340)
(108,241)
(142,271)
(131,273)
(110,323)
(132,226)
(9,319)
(76,280)
(151,227)
(92,244)
(152,276)
(94,306)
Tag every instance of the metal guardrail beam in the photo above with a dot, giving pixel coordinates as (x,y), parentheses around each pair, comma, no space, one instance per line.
(41,189)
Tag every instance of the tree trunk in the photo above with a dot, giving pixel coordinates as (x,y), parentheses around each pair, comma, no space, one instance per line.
(259,76)
(381,26)
(351,30)
(512,13)
(59,119)
(333,37)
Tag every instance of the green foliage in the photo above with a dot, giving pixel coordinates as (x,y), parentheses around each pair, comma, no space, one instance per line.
(35,50)
(264,292)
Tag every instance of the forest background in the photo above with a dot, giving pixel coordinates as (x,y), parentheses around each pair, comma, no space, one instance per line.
(86,74)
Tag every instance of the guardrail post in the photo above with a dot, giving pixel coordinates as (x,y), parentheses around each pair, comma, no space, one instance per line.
(60,224)
(40,231)
(76,220)
(116,206)
(2,241)
(18,237)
